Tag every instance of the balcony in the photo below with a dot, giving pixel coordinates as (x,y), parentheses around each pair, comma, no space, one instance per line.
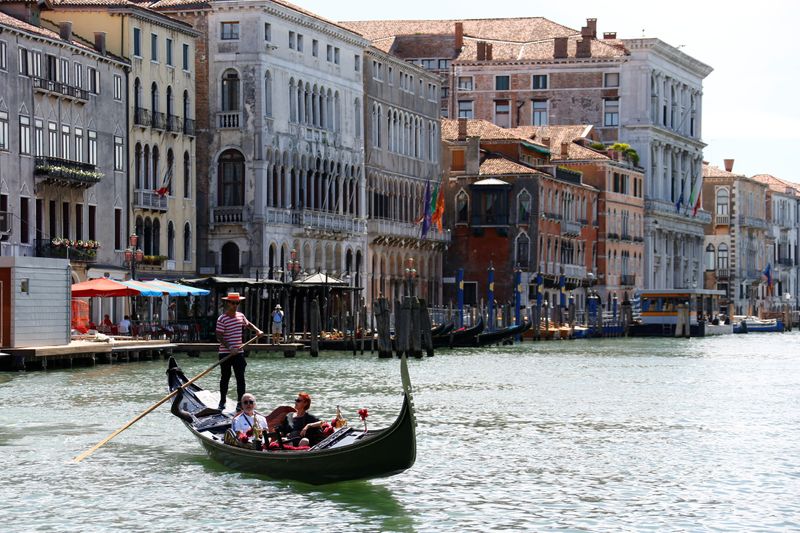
(319,220)
(570,227)
(229,120)
(392,228)
(145,199)
(188,126)
(574,271)
(174,124)
(159,120)
(752,222)
(63,249)
(722,220)
(723,273)
(627,280)
(229,214)
(785,261)
(142,117)
(626,237)
(66,173)
(57,88)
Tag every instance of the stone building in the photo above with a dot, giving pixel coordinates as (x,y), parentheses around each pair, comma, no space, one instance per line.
(617,251)
(281,138)
(159,122)
(532,71)
(402,136)
(736,238)
(63,184)
(783,209)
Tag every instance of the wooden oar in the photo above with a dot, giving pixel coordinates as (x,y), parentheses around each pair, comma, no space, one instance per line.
(97,446)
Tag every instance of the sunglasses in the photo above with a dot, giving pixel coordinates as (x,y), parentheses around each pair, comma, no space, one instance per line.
(298,400)
(249,402)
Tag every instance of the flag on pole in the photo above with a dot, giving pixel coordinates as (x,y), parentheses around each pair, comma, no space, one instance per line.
(438,210)
(696,205)
(165,184)
(679,202)
(426,216)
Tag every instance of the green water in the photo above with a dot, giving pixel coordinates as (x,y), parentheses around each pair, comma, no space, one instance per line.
(606,435)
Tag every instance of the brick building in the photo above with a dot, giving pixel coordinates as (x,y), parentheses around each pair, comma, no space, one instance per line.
(532,71)
(617,246)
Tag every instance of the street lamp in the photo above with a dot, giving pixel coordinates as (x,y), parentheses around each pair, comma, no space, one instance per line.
(133,255)
(410,275)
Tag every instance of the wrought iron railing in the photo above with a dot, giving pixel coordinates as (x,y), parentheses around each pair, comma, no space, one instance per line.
(66,173)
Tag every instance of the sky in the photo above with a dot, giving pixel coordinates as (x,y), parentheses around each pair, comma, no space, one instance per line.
(750,109)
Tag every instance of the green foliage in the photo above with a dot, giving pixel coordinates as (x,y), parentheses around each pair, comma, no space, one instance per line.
(627,151)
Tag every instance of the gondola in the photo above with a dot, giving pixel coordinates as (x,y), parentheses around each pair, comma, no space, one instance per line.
(442,329)
(349,453)
(459,337)
(501,335)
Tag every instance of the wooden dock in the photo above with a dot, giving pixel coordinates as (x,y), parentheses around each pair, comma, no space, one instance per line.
(84,352)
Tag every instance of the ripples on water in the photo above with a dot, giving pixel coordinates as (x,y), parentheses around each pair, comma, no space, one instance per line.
(614,435)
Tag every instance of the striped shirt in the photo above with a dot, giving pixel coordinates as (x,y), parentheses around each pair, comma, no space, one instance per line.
(230,327)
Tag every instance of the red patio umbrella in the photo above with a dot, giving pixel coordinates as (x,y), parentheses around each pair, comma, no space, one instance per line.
(102,287)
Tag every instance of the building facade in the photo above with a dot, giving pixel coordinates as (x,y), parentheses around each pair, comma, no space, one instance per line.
(62,158)
(660,117)
(160,152)
(402,139)
(783,205)
(736,238)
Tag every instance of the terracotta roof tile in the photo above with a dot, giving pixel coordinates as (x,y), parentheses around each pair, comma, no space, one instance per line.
(170,4)
(559,135)
(535,51)
(497,166)
(777,184)
(713,171)
(477,128)
(76,3)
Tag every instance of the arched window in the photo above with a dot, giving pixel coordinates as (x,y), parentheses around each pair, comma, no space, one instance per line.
(186,108)
(170,241)
(146,170)
(268,94)
(148,237)
(230,177)
(187,242)
(137,166)
(722,256)
(523,249)
(230,258)
(155,162)
(137,94)
(230,90)
(292,101)
(523,207)
(170,109)
(156,237)
(462,208)
(722,201)
(710,258)
(187,176)
(357,106)
(154,98)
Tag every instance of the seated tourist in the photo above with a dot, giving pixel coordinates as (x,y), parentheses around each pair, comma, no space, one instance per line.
(301,428)
(125,325)
(242,424)
(107,321)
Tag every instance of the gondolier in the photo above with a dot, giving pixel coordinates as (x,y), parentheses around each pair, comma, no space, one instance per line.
(229,329)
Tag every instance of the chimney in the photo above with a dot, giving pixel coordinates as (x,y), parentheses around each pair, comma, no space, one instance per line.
(584,47)
(481,50)
(560,47)
(459,36)
(591,26)
(65,30)
(472,158)
(609,35)
(546,141)
(728,165)
(488,51)
(462,129)
(565,150)
(100,42)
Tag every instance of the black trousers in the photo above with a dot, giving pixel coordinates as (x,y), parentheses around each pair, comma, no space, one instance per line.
(238,364)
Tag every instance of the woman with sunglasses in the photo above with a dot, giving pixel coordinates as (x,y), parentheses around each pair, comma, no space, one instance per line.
(301,427)
(248,419)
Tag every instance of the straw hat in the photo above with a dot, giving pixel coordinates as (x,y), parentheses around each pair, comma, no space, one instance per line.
(233,297)
(277,306)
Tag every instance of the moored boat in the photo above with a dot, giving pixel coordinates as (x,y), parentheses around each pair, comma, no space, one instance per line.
(347,454)
(752,324)
(460,337)
(501,335)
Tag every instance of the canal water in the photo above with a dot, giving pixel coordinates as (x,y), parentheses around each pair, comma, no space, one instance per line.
(600,435)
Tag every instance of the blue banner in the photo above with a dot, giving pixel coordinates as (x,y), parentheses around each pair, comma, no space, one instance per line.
(491,298)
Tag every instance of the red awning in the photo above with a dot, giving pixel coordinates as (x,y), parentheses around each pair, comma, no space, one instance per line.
(101,287)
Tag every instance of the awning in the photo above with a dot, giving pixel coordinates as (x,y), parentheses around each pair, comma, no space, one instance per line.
(176,289)
(536,147)
(491,182)
(102,287)
(230,281)
(320,279)
(142,289)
